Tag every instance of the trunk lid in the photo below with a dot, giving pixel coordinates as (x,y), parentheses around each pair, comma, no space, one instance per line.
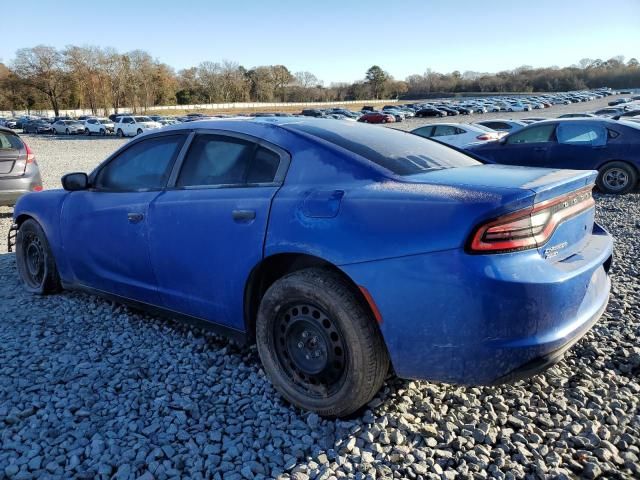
(539,185)
(545,183)
(13,155)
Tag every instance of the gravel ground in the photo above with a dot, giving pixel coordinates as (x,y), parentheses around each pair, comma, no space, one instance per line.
(91,389)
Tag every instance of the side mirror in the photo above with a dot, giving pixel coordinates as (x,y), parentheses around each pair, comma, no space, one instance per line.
(503,140)
(75,181)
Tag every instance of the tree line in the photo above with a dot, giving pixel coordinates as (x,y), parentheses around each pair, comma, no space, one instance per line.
(100,79)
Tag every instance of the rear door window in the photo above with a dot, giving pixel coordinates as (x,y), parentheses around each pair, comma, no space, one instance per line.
(218,160)
(581,134)
(215,160)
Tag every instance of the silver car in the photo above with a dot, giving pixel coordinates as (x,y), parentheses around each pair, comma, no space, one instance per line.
(68,127)
(19,172)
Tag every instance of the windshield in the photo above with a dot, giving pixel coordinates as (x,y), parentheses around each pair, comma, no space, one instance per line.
(400,152)
(142,119)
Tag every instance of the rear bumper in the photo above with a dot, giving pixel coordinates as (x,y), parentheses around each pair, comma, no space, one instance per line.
(485,319)
(12,188)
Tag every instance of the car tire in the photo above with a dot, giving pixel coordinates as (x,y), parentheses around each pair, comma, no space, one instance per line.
(139,131)
(319,345)
(617,177)
(34,259)
(119,133)
(66,132)
(87,132)
(103,132)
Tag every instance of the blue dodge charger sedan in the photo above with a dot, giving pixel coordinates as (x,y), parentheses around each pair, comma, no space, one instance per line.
(345,251)
(610,147)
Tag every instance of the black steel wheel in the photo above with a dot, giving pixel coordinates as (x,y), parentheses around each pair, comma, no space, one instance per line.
(34,259)
(319,344)
(310,348)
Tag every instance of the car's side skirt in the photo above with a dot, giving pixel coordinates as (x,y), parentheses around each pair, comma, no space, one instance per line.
(237,336)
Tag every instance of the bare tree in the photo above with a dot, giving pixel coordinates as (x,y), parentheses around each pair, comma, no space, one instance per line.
(85,67)
(281,78)
(307,79)
(43,68)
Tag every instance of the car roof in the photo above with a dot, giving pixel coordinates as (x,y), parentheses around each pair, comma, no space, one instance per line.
(578,119)
(8,130)
(518,122)
(261,126)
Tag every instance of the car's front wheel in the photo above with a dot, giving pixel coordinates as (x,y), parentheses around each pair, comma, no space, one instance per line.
(120,133)
(34,259)
(87,132)
(139,132)
(320,347)
(617,177)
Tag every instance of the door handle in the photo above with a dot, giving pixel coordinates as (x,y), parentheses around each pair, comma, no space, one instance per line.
(135,217)
(243,215)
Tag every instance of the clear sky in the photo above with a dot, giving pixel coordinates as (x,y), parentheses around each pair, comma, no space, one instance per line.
(337,40)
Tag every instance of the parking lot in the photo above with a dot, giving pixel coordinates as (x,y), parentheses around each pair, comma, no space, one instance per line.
(92,389)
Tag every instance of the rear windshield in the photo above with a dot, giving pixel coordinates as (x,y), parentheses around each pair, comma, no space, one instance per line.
(142,119)
(9,141)
(400,152)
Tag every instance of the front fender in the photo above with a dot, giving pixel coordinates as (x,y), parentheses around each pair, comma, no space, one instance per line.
(45,208)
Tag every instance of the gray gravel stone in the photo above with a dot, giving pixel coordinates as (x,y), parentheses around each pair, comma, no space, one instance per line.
(91,388)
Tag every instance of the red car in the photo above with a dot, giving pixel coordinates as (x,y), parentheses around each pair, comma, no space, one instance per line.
(377,117)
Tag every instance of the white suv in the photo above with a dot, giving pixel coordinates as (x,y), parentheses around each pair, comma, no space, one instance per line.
(133,125)
(100,126)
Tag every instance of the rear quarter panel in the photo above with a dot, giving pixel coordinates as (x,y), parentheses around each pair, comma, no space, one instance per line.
(364,221)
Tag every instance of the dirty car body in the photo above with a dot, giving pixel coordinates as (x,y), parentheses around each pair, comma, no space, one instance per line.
(473,274)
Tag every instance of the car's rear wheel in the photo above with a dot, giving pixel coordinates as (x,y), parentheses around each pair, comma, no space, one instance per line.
(319,345)
(34,259)
(617,177)
(120,133)
(66,131)
(139,131)
(103,132)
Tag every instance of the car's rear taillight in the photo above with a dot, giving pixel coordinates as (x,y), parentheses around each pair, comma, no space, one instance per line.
(487,136)
(30,155)
(530,227)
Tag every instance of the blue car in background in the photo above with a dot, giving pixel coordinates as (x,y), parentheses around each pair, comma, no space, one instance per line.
(610,147)
(341,249)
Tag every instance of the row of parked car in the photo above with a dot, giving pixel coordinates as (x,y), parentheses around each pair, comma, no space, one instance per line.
(612,147)
(123,125)
(468,106)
